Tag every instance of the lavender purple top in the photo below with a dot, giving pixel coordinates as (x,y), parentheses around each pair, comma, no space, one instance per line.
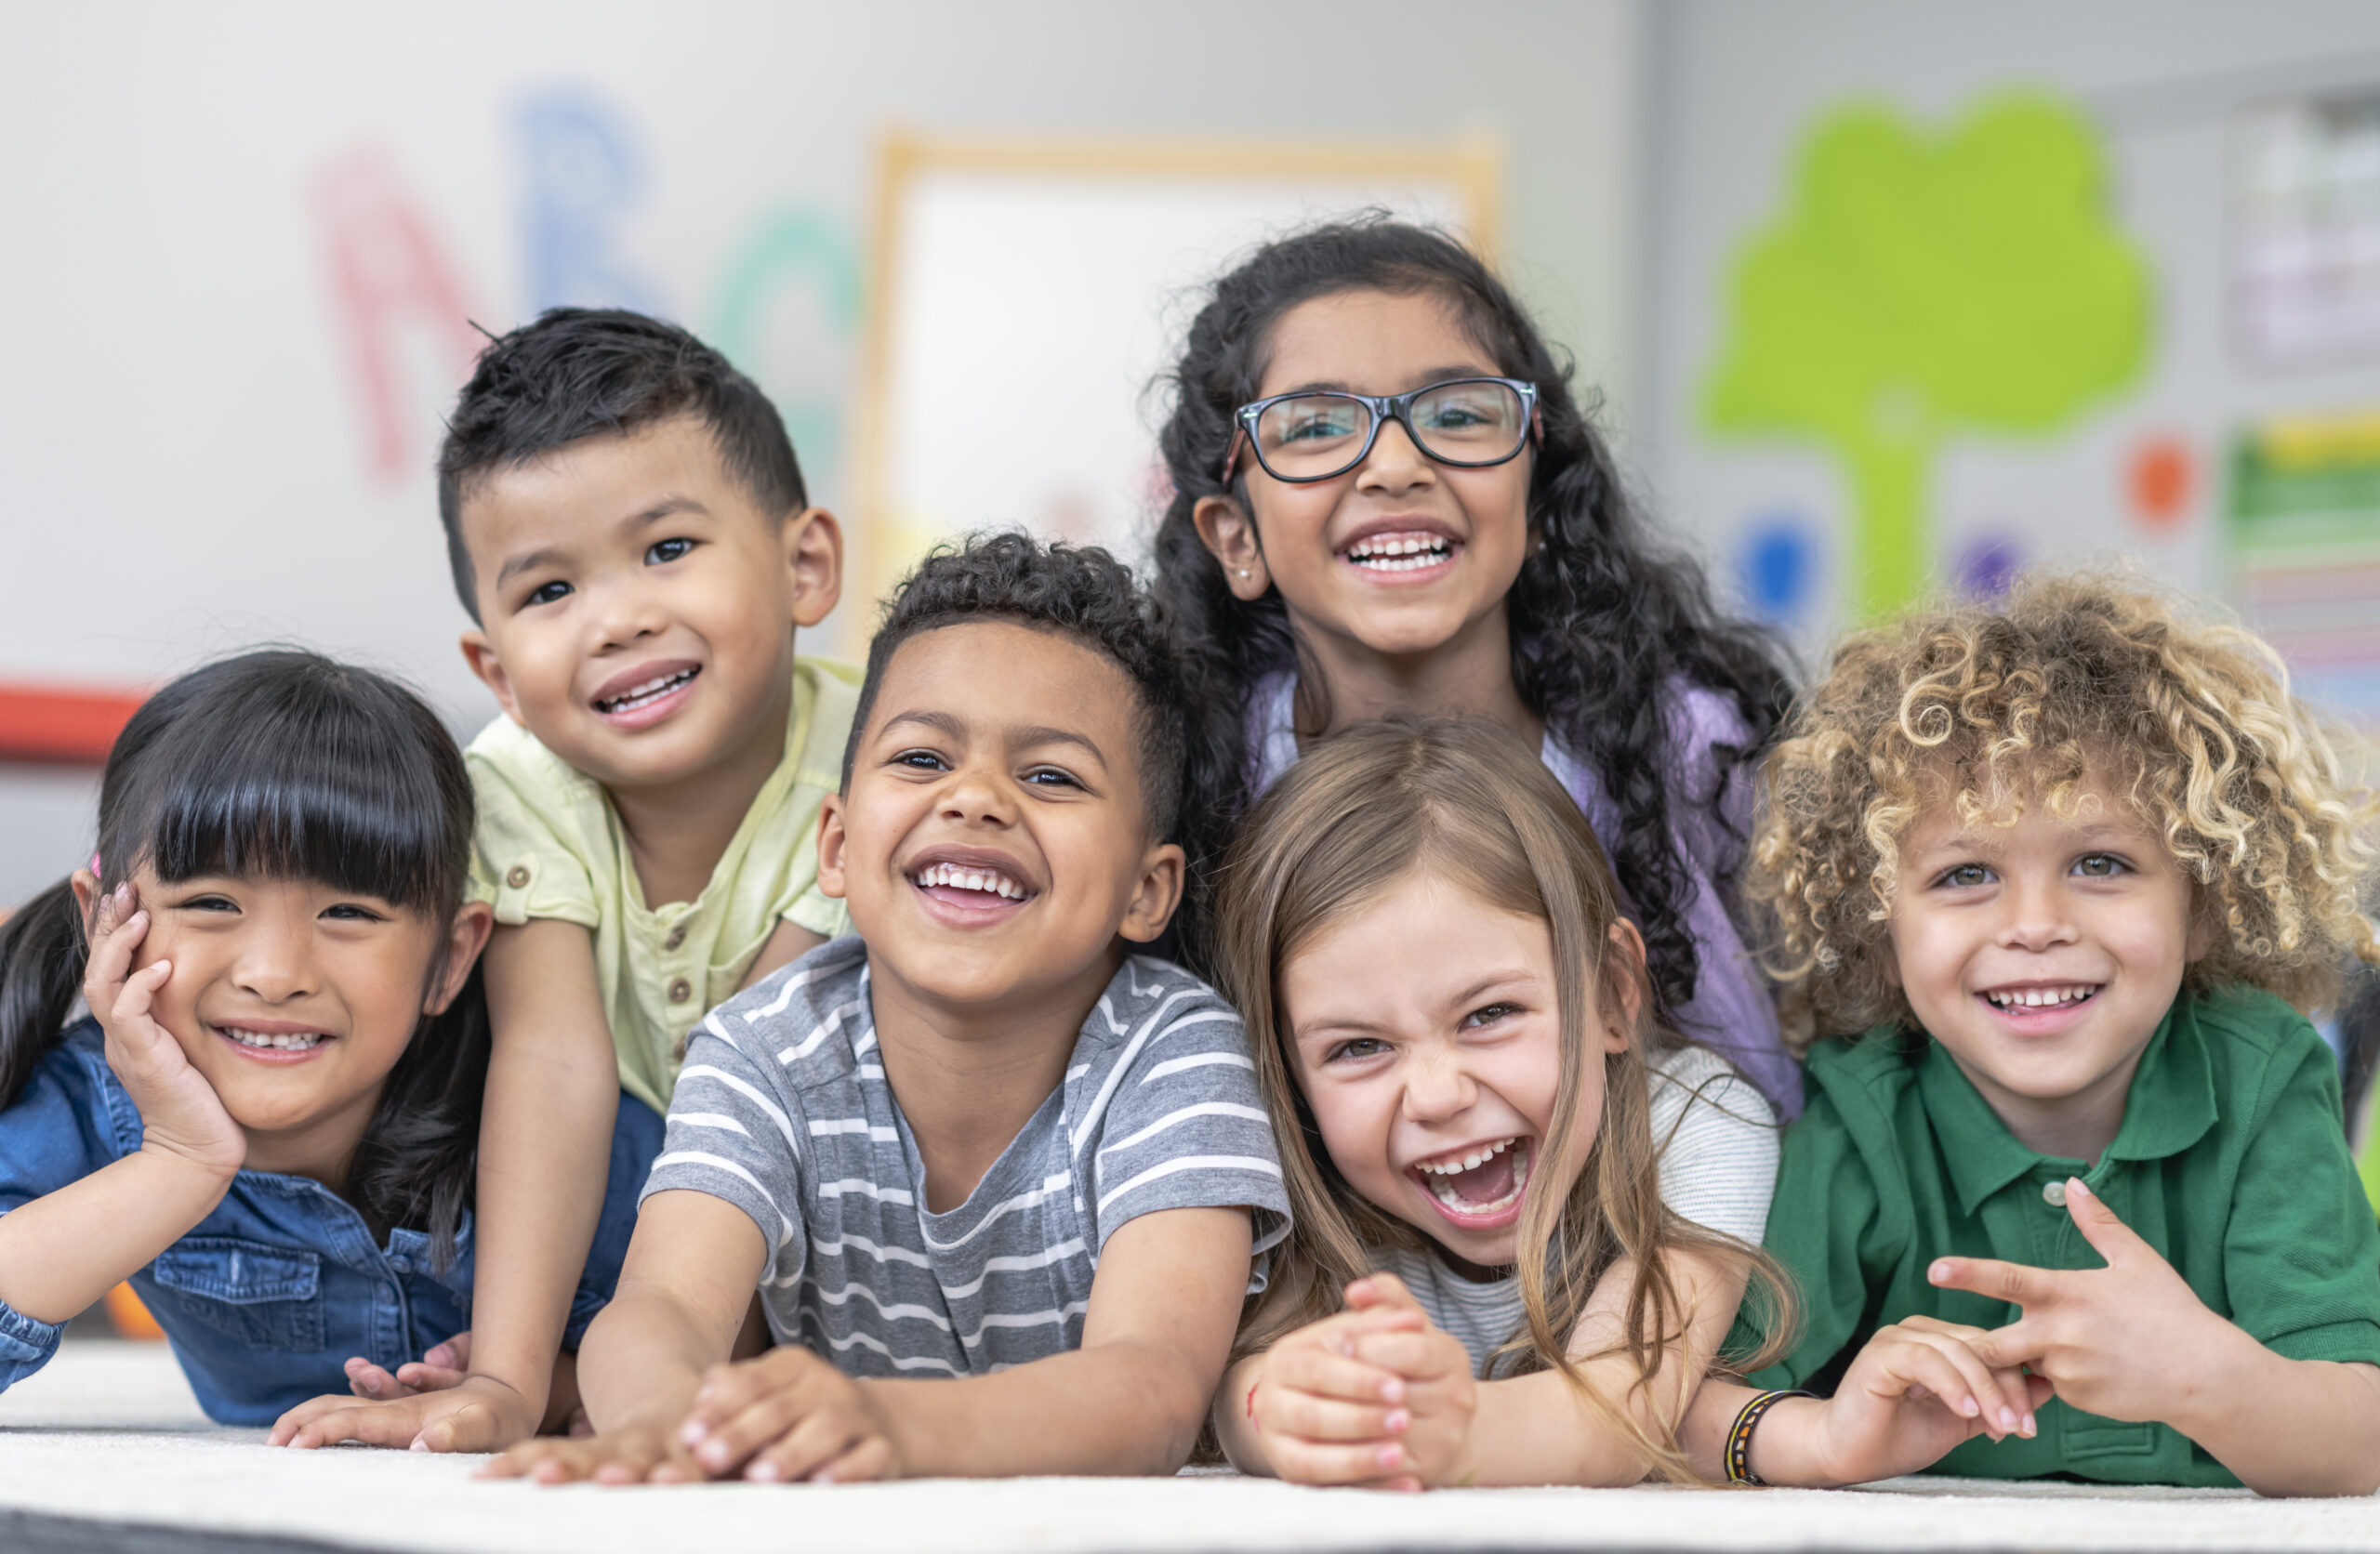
(1731,1012)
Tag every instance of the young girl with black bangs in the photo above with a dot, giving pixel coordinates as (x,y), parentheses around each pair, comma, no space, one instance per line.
(269,1120)
(1320,565)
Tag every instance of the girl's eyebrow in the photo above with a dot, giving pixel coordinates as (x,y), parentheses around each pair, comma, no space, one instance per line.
(1421,380)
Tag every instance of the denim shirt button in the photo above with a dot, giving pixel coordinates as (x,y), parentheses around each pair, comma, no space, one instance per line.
(402,1263)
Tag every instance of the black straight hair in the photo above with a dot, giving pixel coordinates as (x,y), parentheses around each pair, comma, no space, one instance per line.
(1076,591)
(585,372)
(289,765)
(1606,627)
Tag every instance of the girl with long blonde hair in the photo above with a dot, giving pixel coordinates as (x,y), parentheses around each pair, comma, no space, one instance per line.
(1525,1216)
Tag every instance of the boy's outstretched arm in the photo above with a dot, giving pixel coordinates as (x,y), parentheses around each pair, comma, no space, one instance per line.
(545,1150)
(1163,1309)
(692,1266)
(2133,1341)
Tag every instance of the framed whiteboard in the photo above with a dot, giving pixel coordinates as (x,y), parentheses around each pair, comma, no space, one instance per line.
(1026,296)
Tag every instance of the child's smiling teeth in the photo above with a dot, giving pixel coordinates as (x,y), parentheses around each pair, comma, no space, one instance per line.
(989,881)
(651,690)
(1441,1177)
(280,1041)
(2040,997)
(1400,552)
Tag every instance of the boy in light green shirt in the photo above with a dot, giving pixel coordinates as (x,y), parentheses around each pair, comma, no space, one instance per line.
(629,529)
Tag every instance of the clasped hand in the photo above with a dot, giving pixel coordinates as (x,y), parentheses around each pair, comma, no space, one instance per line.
(1376,1396)
(786,1416)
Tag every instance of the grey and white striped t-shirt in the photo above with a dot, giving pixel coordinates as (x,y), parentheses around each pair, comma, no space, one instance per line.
(783,1110)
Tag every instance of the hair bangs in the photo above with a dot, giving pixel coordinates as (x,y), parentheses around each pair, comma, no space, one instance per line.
(301,780)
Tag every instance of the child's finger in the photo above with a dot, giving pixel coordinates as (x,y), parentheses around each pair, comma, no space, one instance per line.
(455,1354)
(1415,1356)
(1313,1418)
(1332,1375)
(728,1389)
(428,1379)
(1913,1365)
(1977,1387)
(138,992)
(817,1440)
(725,1445)
(297,1418)
(374,1423)
(872,1458)
(1309,1462)
(1994,1280)
(2108,1237)
(368,1380)
(1381,1291)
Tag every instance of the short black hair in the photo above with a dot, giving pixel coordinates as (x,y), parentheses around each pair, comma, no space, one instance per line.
(582,372)
(1076,591)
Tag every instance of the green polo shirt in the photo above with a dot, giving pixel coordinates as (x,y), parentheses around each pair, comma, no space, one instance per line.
(2231,1162)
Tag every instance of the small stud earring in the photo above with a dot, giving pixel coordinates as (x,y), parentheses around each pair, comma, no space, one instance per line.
(1243,571)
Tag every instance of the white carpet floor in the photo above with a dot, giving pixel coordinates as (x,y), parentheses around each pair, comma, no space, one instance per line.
(105,1449)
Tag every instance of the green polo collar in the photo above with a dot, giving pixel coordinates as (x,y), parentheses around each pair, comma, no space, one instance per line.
(2169,1107)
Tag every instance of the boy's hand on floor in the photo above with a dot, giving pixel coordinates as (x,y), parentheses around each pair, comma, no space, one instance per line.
(445,1365)
(1915,1389)
(479,1414)
(1441,1395)
(635,1453)
(1326,1416)
(788,1417)
(2128,1341)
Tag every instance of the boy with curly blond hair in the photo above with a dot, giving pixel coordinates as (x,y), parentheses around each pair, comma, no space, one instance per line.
(2049,882)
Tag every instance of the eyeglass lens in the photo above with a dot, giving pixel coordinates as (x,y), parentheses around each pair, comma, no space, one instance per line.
(1310,437)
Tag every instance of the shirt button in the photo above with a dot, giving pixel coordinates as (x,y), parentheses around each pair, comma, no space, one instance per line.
(402,1263)
(677,936)
(682,990)
(2054,1193)
(517,876)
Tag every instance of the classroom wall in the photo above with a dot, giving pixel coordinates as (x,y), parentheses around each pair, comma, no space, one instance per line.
(242,238)
(2162,85)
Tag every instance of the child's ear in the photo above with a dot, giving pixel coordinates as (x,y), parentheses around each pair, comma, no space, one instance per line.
(480,653)
(1623,981)
(1229,534)
(465,940)
(85,886)
(830,845)
(1158,893)
(813,549)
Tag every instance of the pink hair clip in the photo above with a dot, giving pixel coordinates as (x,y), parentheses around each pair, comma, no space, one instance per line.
(95,862)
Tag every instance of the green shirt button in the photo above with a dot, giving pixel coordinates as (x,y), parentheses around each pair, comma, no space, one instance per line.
(517,876)
(2054,1193)
(681,990)
(677,936)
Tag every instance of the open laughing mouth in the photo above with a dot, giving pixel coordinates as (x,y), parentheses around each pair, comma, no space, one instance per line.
(1388,555)
(1480,1187)
(971,893)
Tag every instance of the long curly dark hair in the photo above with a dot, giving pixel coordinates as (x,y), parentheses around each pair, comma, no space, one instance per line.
(1606,627)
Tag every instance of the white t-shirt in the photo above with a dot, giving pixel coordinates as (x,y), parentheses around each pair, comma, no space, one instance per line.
(1718,1140)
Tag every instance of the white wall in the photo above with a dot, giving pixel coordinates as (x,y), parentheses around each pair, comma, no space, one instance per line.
(1733,87)
(188,461)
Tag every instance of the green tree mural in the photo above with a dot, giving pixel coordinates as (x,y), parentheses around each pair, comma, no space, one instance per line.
(1917,286)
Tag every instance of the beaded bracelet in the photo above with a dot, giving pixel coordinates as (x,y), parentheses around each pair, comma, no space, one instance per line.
(1739,1438)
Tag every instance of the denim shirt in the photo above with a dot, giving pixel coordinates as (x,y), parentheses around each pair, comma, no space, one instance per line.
(266,1297)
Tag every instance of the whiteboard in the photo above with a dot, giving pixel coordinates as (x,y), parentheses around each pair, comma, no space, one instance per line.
(1027,296)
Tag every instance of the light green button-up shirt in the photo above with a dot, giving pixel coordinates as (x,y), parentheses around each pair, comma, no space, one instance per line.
(549,845)
(2231,1162)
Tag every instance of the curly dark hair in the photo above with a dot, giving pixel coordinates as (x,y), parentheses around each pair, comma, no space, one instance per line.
(1606,627)
(581,371)
(1080,592)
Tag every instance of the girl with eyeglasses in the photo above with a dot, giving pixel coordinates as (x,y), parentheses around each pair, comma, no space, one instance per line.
(1386,500)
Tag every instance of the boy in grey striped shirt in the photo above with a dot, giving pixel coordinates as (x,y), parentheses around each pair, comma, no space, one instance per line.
(1000,1183)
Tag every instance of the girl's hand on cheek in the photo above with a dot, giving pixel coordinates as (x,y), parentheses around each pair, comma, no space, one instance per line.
(1441,1394)
(180,1114)
(1325,1416)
